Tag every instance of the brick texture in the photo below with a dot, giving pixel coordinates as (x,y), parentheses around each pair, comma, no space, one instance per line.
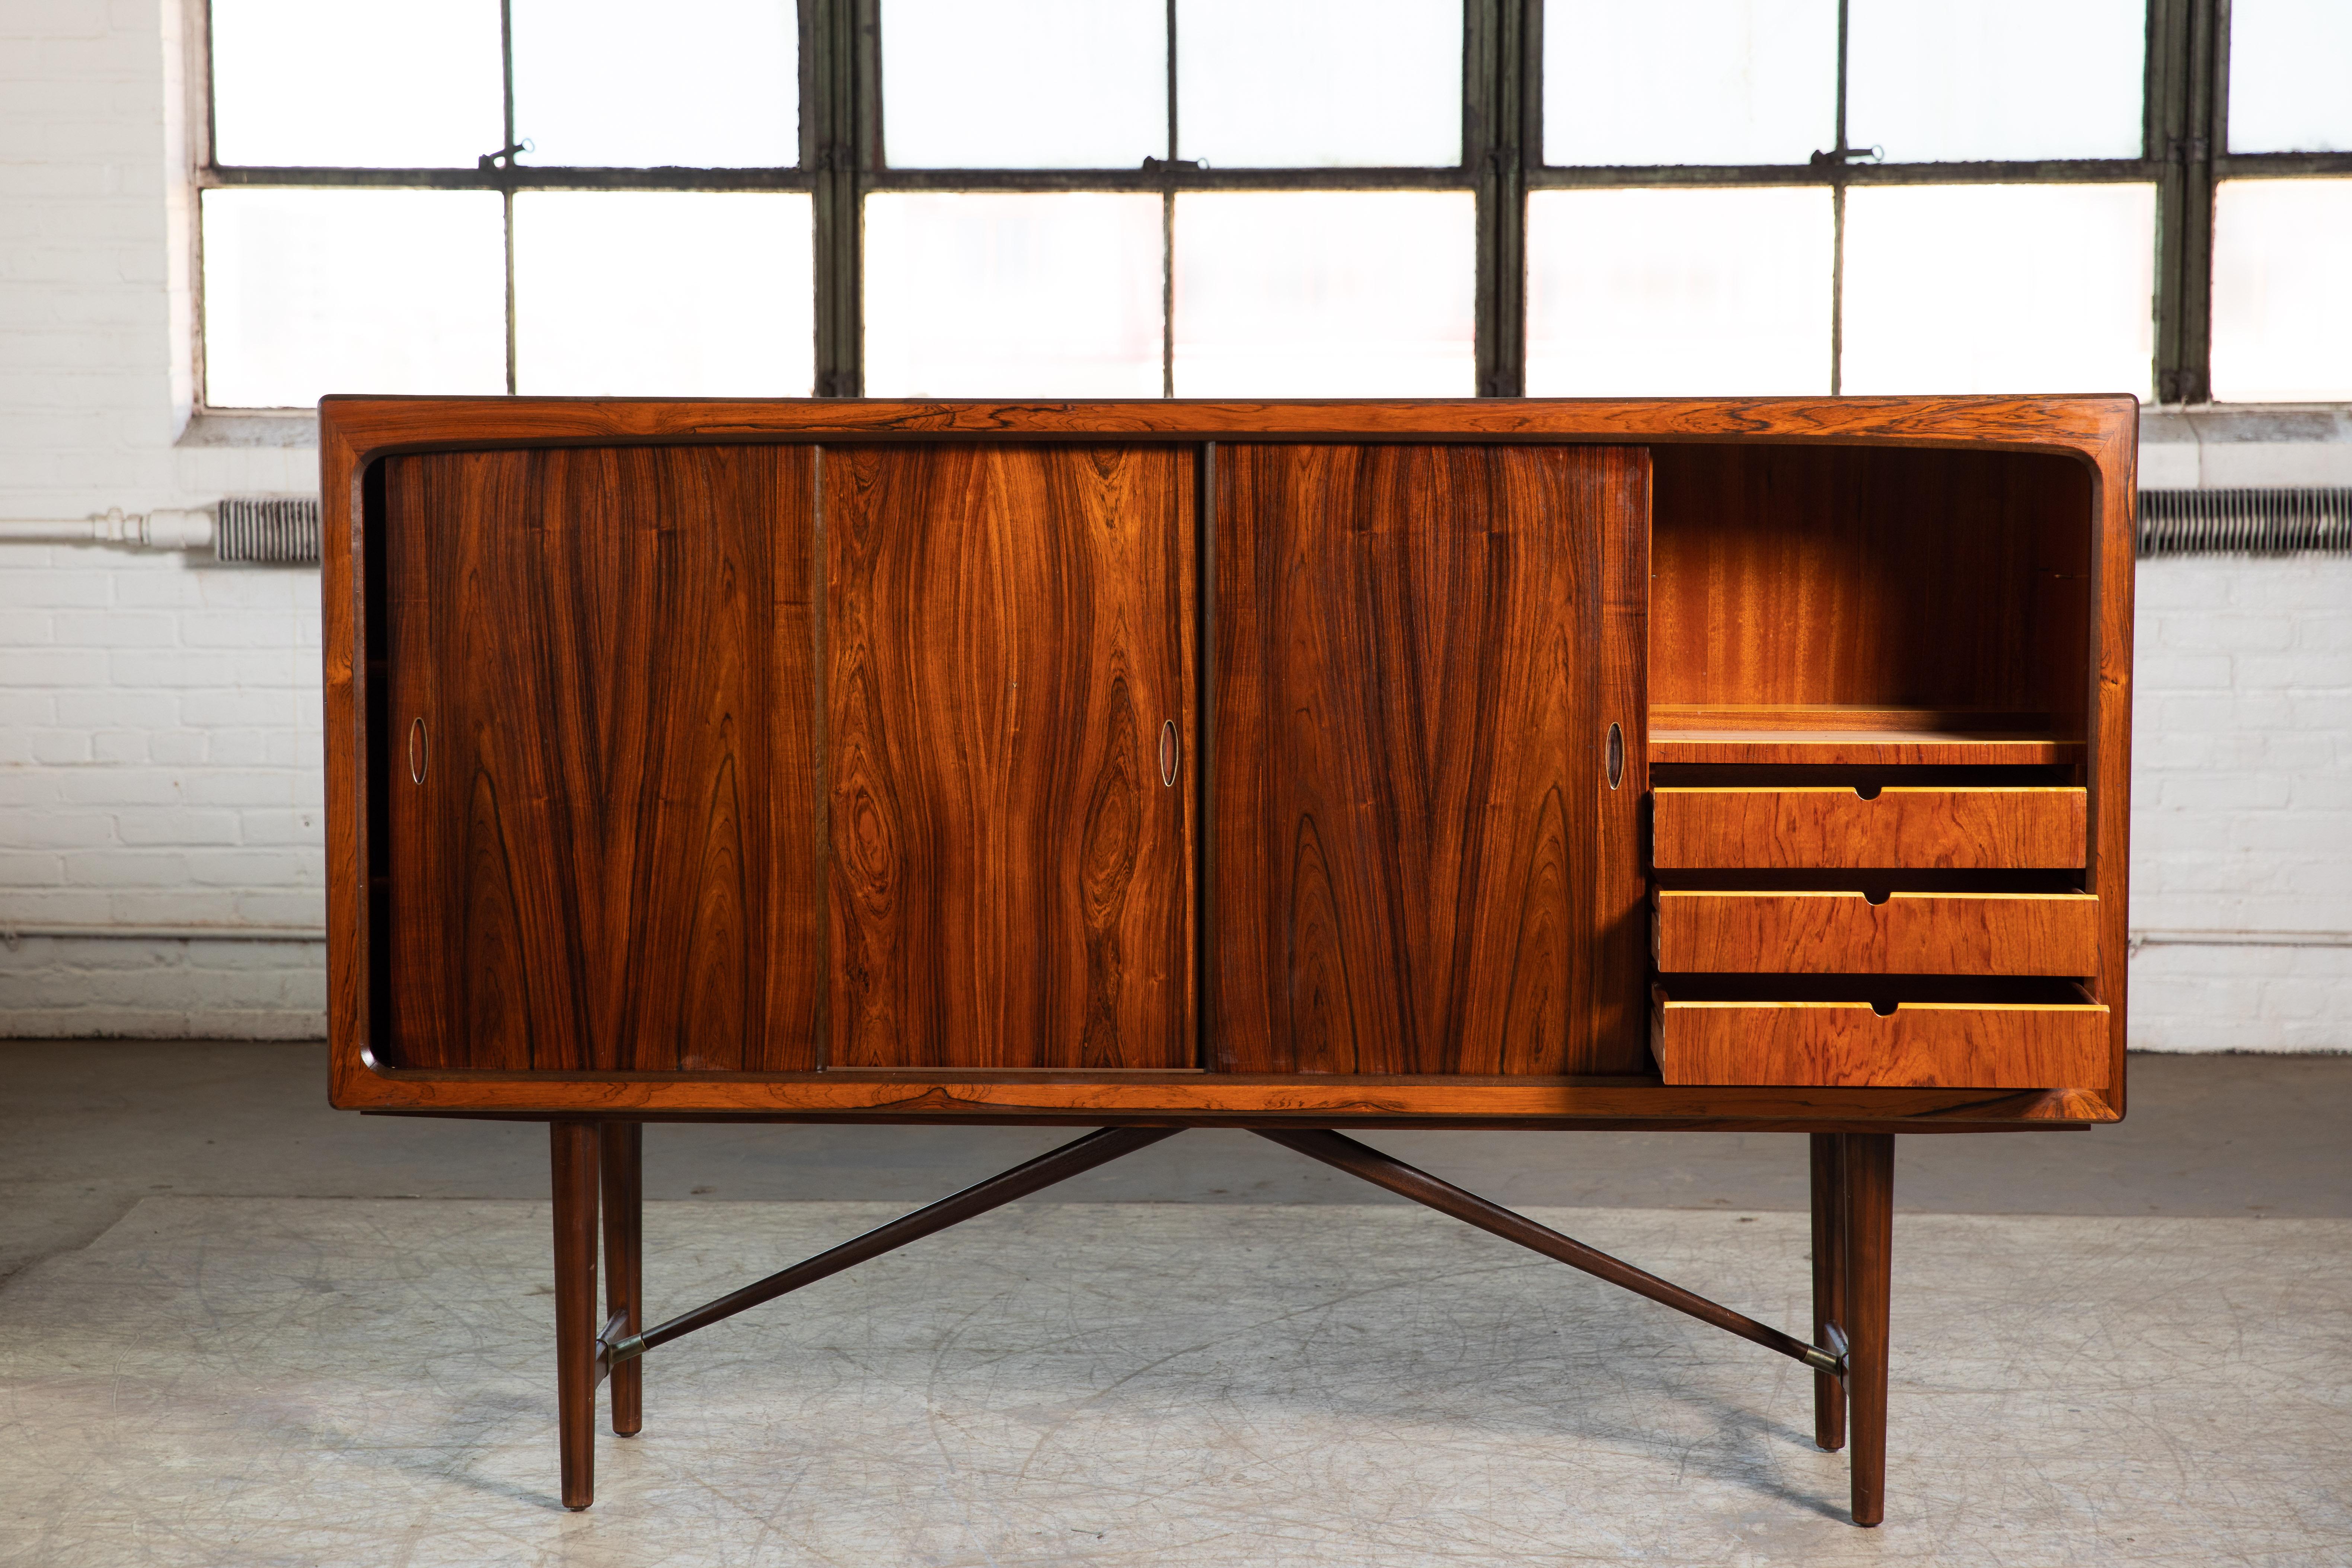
(2242,790)
(159,714)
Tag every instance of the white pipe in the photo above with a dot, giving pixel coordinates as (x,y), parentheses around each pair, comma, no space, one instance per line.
(161,529)
(2140,939)
(13,932)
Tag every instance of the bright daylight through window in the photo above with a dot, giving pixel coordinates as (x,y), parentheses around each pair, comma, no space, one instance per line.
(1138,198)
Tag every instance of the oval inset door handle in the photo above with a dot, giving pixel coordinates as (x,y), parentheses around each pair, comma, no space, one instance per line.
(420,751)
(1171,753)
(1615,756)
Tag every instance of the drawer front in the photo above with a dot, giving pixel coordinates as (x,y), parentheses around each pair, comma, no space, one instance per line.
(1967,829)
(1845,933)
(1848,1044)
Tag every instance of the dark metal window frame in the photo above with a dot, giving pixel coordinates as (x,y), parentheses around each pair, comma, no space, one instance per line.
(2184,155)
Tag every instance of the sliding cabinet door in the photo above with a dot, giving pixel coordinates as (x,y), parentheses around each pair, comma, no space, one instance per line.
(1009,720)
(598,753)
(1419,863)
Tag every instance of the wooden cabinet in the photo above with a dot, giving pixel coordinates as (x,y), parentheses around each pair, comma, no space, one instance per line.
(1669,764)
(1359,761)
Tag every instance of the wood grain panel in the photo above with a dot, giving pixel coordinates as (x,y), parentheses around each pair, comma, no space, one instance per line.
(1008,629)
(1970,829)
(1620,1022)
(1409,756)
(1847,1044)
(1909,933)
(2101,427)
(611,863)
(363,764)
(1790,577)
(1203,1100)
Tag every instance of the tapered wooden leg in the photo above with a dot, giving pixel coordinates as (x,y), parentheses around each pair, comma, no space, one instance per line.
(1870,1236)
(623,1145)
(573,1166)
(1828,1282)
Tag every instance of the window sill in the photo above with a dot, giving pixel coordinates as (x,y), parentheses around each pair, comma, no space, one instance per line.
(251,427)
(2245,446)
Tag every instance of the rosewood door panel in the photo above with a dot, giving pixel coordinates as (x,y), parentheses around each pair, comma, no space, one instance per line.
(603,850)
(1409,758)
(1007,636)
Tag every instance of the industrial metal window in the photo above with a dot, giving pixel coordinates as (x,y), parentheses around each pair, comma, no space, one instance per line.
(588,196)
(1277,198)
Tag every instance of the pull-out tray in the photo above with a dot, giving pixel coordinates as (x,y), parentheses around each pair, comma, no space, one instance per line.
(2040,1044)
(1905,933)
(1992,828)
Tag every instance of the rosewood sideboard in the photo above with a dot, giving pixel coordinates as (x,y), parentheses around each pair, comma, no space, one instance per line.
(1310,768)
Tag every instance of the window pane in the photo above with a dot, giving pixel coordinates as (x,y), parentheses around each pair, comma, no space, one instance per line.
(694,83)
(1012,296)
(308,292)
(1995,78)
(2000,289)
(1301,84)
(1049,84)
(2282,317)
(1324,294)
(2290,75)
(1706,81)
(663,294)
(333,82)
(1660,294)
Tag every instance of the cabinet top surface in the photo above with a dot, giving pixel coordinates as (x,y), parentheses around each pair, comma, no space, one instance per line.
(2095,426)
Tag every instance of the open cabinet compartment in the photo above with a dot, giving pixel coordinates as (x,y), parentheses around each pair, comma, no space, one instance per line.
(1846,605)
(1870,675)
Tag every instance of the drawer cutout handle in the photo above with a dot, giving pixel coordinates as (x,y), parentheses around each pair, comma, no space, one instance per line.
(1868,792)
(1171,753)
(1615,753)
(1885,1009)
(420,751)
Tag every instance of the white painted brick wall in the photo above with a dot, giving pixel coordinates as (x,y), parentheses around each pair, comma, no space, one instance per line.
(2241,796)
(159,719)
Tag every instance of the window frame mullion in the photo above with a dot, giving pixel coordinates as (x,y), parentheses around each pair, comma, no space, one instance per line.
(2187,66)
(505,157)
(1494,128)
(841,142)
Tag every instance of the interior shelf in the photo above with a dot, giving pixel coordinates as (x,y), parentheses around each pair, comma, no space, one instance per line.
(1856,736)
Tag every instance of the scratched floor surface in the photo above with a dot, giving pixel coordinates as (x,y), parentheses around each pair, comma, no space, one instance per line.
(298,1381)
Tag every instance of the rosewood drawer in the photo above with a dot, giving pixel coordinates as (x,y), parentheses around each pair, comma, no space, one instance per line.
(1969,829)
(1919,1045)
(1907,933)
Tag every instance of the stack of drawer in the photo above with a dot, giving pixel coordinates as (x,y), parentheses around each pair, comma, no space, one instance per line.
(1922,989)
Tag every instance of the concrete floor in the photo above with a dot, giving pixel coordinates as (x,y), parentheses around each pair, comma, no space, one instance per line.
(278,1380)
(231,1337)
